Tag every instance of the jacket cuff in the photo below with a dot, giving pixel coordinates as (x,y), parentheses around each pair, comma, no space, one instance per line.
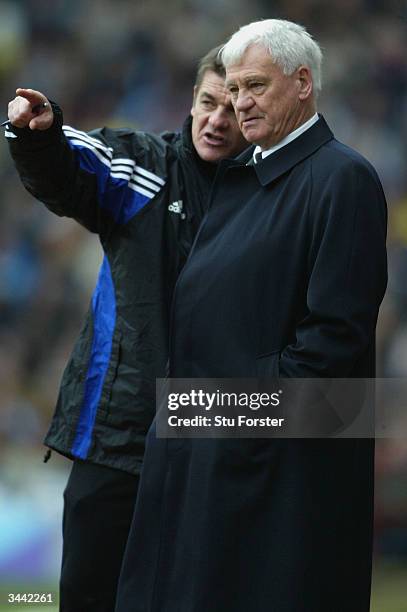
(32,140)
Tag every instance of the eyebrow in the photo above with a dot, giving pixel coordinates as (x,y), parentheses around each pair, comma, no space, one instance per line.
(255,76)
(207,95)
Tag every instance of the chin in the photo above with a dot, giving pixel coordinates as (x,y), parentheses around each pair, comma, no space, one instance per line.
(251,139)
(211,156)
(251,136)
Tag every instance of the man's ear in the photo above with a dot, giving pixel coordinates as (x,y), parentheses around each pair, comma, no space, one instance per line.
(305,82)
(193,100)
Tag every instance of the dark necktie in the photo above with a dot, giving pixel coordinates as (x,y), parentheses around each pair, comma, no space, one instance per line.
(256,159)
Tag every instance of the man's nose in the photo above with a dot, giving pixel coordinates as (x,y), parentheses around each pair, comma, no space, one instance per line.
(219,119)
(243,102)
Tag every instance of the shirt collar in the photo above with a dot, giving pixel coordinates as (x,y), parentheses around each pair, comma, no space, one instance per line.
(289,138)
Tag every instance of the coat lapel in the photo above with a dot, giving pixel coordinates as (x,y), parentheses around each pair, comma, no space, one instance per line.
(287,157)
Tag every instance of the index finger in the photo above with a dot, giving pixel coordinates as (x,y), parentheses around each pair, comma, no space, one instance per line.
(34,97)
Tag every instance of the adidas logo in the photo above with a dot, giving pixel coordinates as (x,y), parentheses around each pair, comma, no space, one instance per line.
(176,207)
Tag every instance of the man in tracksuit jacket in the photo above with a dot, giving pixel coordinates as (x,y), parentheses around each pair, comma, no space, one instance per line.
(144,194)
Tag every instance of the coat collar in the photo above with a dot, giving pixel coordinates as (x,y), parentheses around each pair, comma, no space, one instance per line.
(291,154)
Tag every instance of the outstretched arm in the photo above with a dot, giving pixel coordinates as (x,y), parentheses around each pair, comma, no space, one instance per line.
(49,167)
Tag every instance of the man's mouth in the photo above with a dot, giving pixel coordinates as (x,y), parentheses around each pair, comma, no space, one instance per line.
(249,121)
(213,140)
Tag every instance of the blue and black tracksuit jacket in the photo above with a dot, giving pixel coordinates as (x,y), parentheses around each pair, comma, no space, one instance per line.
(144,195)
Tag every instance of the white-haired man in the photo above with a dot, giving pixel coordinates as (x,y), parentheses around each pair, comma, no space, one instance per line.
(285,279)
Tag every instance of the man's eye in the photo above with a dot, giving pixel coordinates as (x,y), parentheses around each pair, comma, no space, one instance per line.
(233,91)
(256,85)
(207,103)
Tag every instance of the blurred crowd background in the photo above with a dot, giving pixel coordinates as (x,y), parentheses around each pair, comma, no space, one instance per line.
(132,63)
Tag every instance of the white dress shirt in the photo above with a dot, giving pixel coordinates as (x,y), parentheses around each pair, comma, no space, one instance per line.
(289,138)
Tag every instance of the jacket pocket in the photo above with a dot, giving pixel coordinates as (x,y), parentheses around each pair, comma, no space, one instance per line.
(267,365)
(111,372)
(72,388)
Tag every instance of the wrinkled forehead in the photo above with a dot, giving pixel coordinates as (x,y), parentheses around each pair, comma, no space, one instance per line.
(213,84)
(256,60)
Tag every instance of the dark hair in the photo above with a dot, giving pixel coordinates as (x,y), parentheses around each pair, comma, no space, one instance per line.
(210,61)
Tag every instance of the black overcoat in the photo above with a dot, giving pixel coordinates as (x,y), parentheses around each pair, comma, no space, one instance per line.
(285,279)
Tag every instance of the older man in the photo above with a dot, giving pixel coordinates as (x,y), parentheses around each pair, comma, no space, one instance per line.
(285,279)
(144,195)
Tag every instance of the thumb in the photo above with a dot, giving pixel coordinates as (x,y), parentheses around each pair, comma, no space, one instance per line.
(42,121)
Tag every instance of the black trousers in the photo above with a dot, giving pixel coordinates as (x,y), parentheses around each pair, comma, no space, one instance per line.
(98,508)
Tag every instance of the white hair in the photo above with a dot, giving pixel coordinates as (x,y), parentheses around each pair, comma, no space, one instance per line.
(289,44)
